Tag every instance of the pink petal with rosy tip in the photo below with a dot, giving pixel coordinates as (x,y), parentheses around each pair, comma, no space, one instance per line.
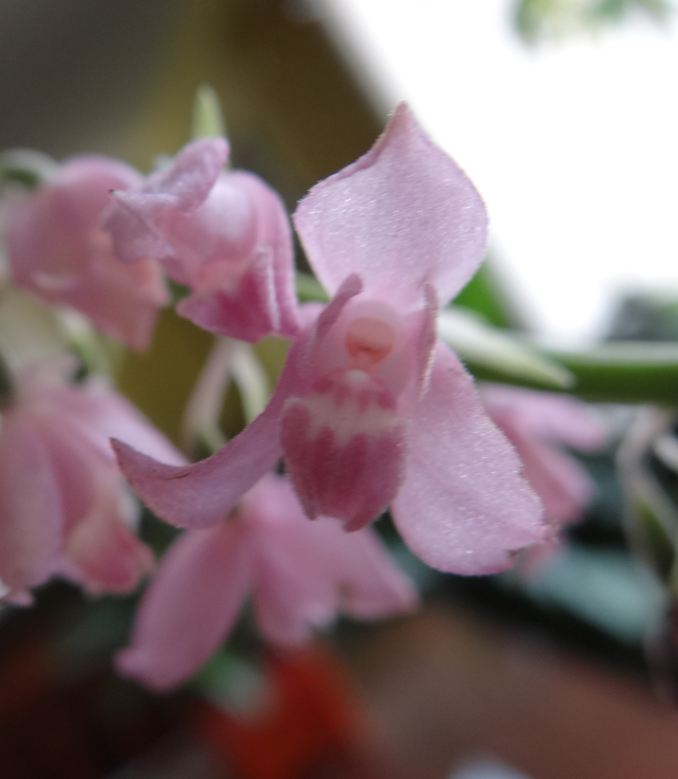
(463,506)
(102,553)
(246,309)
(275,237)
(402,215)
(190,606)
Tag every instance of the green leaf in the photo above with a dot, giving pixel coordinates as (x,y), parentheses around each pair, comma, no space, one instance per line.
(24,168)
(485,295)
(207,119)
(496,355)
(633,372)
(309,290)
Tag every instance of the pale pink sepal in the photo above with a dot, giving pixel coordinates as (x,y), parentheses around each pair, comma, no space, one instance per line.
(58,251)
(189,607)
(300,574)
(31,519)
(308,572)
(547,416)
(538,425)
(463,506)
(65,507)
(402,215)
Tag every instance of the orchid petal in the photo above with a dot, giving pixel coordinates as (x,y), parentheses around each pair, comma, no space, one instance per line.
(368,581)
(274,235)
(463,506)
(294,589)
(102,552)
(562,484)
(58,251)
(247,310)
(202,494)
(182,186)
(30,509)
(553,417)
(402,215)
(189,608)
(99,413)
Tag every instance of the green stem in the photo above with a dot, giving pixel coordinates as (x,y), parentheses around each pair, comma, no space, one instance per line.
(614,373)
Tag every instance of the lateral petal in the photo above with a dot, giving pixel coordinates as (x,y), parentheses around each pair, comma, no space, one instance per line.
(463,506)
(200,495)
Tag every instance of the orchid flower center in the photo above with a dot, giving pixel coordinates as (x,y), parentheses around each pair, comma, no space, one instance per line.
(368,340)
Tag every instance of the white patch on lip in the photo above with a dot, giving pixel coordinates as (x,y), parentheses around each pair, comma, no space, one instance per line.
(359,411)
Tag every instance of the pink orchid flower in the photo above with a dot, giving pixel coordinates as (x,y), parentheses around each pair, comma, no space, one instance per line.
(539,425)
(370,409)
(64,507)
(300,575)
(223,234)
(58,250)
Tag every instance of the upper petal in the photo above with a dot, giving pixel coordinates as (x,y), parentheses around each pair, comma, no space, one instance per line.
(463,507)
(189,607)
(402,215)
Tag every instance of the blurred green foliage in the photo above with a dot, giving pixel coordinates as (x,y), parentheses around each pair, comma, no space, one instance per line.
(539,20)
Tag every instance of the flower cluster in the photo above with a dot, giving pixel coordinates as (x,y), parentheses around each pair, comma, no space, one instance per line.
(371,411)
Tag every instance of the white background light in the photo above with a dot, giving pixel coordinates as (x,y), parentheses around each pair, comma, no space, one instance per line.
(573,145)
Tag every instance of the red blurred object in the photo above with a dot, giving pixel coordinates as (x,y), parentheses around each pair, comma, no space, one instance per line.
(313,724)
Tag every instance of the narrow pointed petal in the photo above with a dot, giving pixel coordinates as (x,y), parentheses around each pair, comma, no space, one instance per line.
(402,215)
(30,509)
(189,608)
(202,494)
(463,507)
